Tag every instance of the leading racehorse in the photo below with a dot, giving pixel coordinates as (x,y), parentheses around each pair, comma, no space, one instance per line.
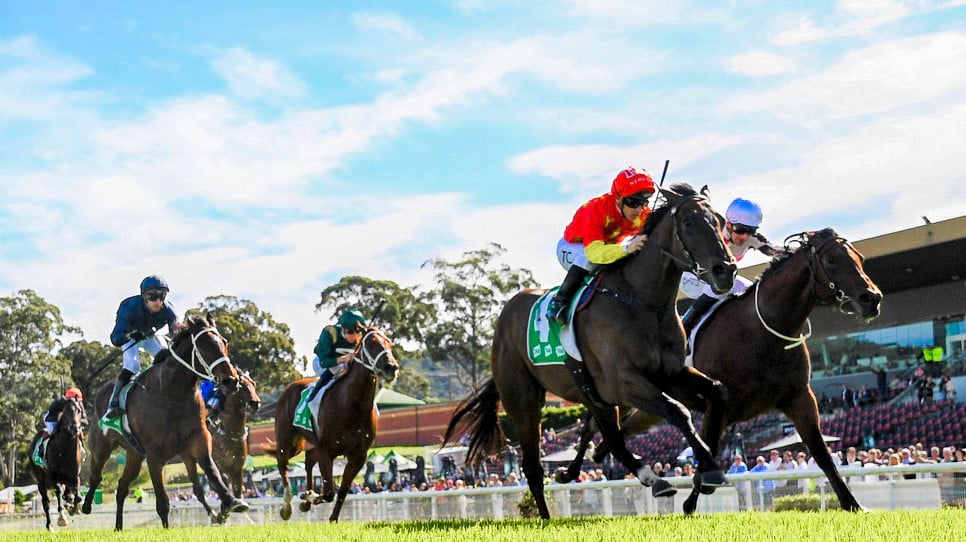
(63,462)
(755,344)
(631,340)
(165,412)
(346,422)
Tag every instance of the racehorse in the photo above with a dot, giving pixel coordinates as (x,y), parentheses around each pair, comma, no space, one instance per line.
(229,442)
(63,462)
(631,340)
(755,342)
(166,414)
(346,422)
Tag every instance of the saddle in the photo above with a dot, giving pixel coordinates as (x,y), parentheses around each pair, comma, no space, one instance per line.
(689,358)
(307,412)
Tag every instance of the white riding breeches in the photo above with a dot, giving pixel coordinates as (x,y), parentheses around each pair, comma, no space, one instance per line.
(569,254)
(132,358)
(693,287)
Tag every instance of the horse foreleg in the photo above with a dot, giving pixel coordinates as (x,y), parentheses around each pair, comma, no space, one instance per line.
(161,504)
(611,433)
(100,452)
(352,468)
(191,467)
(571,472)
(131,470)
(61,513)
(803,412)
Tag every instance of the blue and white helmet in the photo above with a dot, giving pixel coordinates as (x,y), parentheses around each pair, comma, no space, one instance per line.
(153,282)
(745,212)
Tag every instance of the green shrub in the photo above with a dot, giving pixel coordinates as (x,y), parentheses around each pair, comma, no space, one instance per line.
(527,505)
(18,498)
(806,503)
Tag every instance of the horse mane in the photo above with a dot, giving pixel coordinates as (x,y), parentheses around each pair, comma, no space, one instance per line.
(800,239)
(193,321)
(656,215)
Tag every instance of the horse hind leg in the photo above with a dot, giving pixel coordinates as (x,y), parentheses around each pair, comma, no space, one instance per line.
(571,472)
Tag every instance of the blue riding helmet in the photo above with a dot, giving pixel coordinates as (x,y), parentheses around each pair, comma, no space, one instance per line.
(153,282)
(352,318)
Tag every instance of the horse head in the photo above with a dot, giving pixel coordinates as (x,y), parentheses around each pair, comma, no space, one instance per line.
(73,419)
(696,235)
(204,351)
(244,392)
(839,276)
(375,352)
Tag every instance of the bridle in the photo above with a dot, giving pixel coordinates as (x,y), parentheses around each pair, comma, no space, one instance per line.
(814,266)
(362,355)
(196,356)
(690,264)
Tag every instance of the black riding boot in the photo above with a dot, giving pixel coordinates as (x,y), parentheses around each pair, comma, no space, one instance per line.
(557,308)
(697,310)
(324,379)
(114,407)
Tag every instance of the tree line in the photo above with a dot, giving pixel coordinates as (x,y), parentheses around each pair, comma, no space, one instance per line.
(445,329)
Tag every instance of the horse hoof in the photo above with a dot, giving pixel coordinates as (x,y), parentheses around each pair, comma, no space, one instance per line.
(305,506)
(239,506)
(286,512)
(561,476)
(662,489)
(712,480)
(61,522)
(86,508)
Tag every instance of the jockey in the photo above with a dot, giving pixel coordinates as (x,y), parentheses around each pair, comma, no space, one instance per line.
(54,412)
(213,398)
(602,231)
(742,220)
(138,317)
(335,346)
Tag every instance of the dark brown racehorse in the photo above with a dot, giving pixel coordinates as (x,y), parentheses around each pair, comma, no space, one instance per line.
(346,422)
(631,340)
(166,413)
(63,462)
(753,344)
(229,442)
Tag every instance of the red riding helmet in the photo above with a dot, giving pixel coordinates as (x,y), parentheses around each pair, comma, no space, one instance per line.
(73,391)
(631,181)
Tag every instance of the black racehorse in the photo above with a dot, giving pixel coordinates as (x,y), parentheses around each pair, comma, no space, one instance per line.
(63,462)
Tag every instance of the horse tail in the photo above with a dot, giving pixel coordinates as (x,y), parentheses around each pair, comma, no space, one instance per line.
(477,417)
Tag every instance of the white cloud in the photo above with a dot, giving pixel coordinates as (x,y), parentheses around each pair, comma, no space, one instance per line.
(875,79)
(370,23)
(251,78)
(758,64)
(854,18)
(34,83)
(644,13)
(589,168)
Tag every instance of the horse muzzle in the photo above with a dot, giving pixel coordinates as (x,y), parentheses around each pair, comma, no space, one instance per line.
(388,373)
(868,303)
(721,277)
(253,406)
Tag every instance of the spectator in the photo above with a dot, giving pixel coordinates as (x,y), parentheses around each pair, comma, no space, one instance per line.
(764,487)
(775,464)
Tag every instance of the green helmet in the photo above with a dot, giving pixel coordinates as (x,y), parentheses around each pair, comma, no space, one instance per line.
(351,318)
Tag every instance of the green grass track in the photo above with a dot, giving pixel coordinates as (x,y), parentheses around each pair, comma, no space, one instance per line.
(917,526)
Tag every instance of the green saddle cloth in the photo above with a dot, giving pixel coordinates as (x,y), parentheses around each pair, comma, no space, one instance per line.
(543,334)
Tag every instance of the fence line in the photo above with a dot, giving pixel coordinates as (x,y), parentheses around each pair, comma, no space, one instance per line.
(935,483)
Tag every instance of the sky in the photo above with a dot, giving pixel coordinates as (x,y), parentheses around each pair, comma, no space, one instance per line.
(264,150)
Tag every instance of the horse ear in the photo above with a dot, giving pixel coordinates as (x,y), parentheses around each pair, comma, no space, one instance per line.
(671,196)
(706,192)
(210,319)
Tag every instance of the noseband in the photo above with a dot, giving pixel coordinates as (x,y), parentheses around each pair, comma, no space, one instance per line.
(814,262)
(690,264)
(196,356)
(363,357)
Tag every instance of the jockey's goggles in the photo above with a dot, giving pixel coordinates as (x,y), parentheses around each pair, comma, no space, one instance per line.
(741,229)
(635,201)
(155,295)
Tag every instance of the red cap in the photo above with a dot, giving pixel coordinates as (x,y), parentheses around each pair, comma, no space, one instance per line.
(631,181)
(74,391)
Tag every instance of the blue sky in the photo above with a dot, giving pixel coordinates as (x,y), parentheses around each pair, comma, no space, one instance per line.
(264,151)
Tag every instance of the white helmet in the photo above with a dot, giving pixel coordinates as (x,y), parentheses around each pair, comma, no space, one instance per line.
(742,211)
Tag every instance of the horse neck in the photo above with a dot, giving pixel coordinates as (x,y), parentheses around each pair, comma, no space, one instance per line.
(787,297)
(175,376)
(360,386)
(653,276)
(234,418)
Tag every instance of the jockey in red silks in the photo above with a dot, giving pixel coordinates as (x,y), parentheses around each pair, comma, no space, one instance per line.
(603,230)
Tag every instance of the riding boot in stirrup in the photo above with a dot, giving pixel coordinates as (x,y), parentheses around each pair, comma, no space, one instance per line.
(557,308)
(324,379)
(114,406)
(697,310)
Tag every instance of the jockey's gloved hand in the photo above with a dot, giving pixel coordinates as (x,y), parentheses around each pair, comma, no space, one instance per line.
(137,336)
